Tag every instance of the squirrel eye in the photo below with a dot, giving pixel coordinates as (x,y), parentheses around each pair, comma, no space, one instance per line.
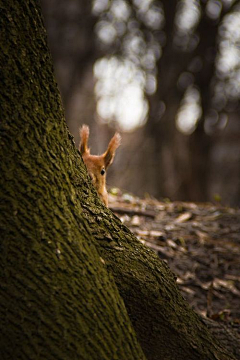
(103,171)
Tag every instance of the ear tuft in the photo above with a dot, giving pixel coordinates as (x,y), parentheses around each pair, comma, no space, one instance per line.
(112,147)
(84,135)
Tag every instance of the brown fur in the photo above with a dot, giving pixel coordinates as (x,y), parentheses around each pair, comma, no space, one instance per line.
(97,164)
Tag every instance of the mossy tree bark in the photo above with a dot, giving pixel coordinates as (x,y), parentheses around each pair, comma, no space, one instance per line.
(57,299)
(60,247)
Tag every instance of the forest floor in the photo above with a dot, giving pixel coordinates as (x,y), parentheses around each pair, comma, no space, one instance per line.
(200,243)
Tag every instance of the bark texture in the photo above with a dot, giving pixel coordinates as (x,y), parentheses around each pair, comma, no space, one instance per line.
(57,300)
(166,326)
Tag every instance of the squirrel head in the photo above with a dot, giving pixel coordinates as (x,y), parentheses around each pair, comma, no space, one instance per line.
(97,165)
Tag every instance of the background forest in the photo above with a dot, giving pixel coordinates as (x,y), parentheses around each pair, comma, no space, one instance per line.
(164,73)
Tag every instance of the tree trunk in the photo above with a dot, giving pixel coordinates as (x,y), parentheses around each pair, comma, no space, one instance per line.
(57,299)
(60,245)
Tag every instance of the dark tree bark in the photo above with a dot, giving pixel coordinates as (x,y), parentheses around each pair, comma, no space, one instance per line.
(57,300)
(60,247)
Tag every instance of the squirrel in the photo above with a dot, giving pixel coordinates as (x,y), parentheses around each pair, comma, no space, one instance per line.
(98,164)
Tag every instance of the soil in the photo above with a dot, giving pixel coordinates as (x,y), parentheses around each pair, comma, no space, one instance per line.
(200,243)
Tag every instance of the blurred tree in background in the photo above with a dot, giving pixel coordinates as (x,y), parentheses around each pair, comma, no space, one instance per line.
(167,73)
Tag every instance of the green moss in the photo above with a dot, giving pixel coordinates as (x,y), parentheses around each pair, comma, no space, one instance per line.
(57,300)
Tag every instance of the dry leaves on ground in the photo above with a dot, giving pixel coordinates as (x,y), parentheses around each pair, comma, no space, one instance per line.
(201,244)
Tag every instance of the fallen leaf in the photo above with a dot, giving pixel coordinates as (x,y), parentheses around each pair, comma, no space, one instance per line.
(136,221)
(155,233)
(184,217)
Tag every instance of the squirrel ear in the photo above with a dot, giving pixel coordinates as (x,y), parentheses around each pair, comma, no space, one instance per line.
(112,147)
(84,135)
